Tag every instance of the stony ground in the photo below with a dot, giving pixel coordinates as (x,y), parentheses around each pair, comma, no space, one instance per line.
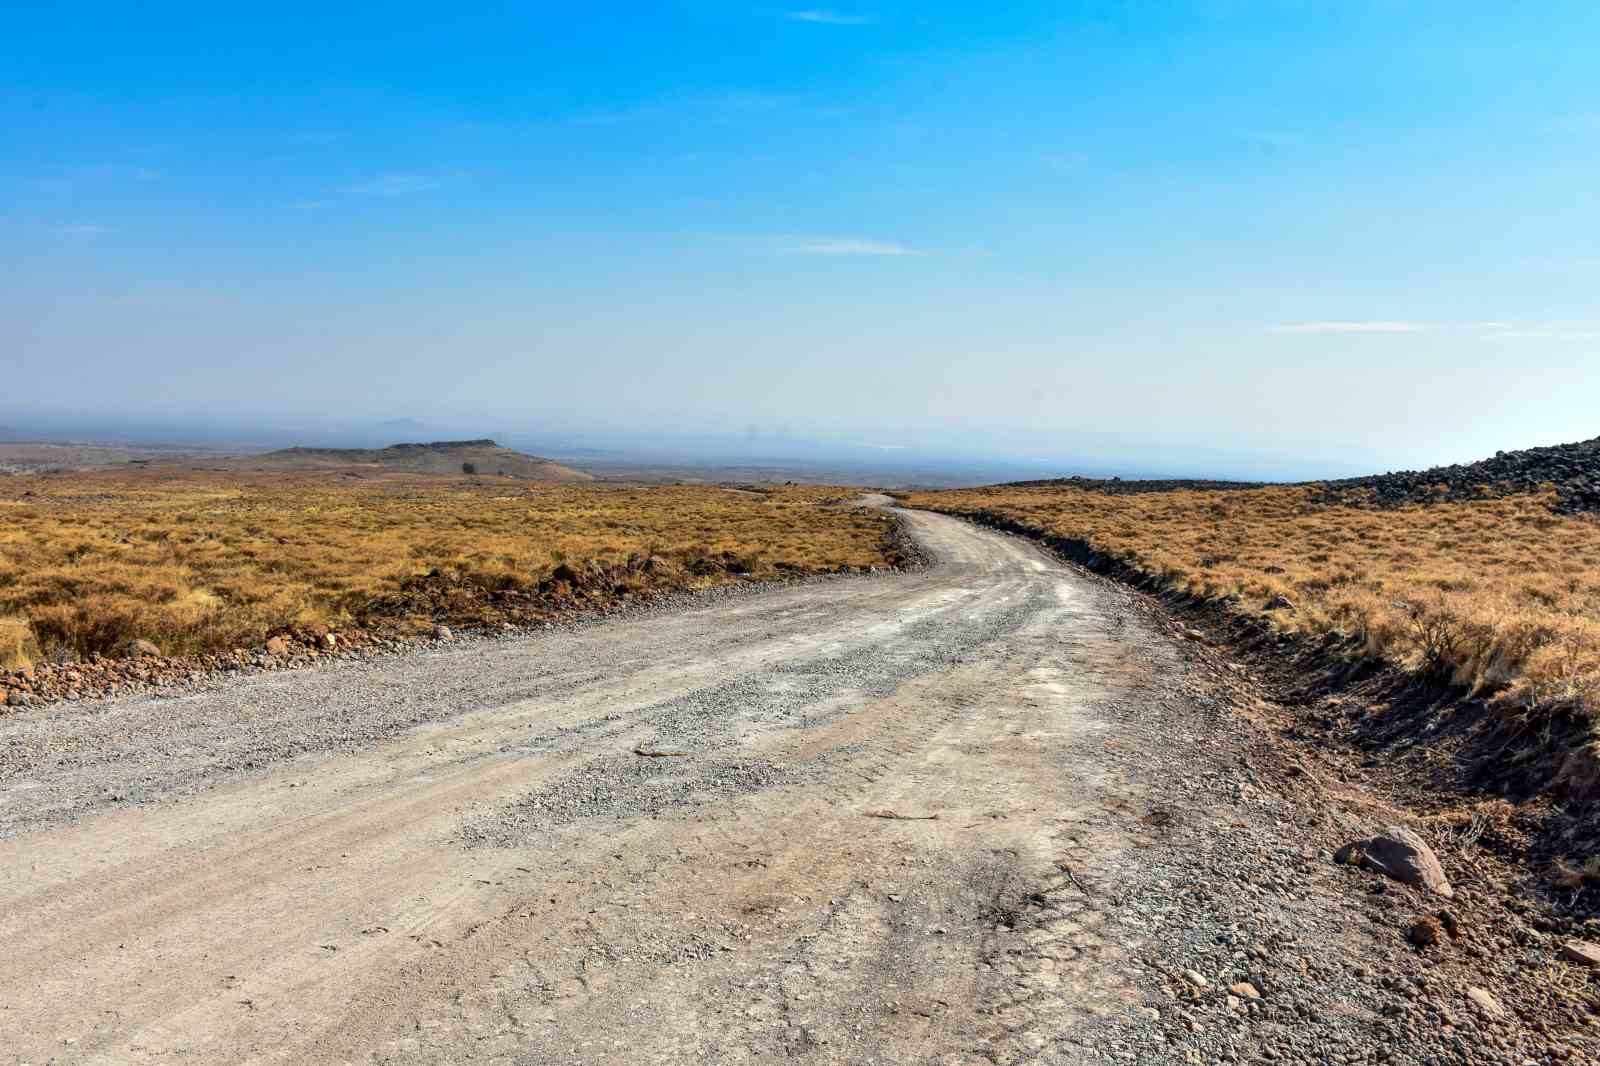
(1573,470)
(996,810)
(1257,945)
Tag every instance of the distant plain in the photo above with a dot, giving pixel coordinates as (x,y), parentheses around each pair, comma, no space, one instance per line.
(201,560)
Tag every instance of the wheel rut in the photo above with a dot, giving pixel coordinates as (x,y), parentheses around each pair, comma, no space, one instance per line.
(861,830)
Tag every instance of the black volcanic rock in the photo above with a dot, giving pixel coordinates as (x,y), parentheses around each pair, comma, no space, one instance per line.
(1116,486)
(1572,470)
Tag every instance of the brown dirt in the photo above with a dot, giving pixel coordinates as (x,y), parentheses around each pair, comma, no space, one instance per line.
(461,858)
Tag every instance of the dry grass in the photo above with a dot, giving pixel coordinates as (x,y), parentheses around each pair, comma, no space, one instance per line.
(1501,596)
(200,562)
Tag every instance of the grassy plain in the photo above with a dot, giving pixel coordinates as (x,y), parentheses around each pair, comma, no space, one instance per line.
(199,562)
(1500,595)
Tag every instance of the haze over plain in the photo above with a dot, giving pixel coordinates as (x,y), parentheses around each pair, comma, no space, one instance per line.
(1346,237)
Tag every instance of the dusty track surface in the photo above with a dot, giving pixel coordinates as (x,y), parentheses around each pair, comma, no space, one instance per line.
(659,840)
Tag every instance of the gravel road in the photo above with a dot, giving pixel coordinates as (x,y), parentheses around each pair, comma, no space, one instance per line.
(987,811)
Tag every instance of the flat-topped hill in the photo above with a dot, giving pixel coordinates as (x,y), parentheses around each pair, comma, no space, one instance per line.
(483,457)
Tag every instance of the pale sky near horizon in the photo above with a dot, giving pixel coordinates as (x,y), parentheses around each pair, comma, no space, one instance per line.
(1307,228)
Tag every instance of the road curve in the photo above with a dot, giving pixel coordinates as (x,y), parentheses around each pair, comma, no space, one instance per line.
(663,839)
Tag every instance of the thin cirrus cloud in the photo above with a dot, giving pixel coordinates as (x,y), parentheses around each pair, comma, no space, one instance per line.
(395,185)
(1548,332)
(828,18)
(1351,327)
(709,108)
(848,246)
(1560,331)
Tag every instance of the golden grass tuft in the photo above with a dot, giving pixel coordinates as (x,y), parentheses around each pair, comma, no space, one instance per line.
(200,562)
(1501,596)
(18,649)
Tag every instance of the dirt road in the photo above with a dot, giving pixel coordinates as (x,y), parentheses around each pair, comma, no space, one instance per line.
(890,819)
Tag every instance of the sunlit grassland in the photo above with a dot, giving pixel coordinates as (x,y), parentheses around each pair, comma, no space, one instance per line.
(200,562)
(1499,595)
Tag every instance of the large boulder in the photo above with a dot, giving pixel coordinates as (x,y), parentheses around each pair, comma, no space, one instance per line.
(140,649)
(572,575)
(1399,853)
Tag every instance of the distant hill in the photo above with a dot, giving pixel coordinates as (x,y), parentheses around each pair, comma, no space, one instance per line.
(457,457)
(1117,486)
(1573,470)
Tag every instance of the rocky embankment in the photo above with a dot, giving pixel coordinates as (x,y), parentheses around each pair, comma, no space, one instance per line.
(1572,470)
(1116,486)
(142,667)
(573,594)
(1296,908)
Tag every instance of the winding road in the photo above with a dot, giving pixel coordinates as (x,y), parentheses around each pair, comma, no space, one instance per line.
(816,822)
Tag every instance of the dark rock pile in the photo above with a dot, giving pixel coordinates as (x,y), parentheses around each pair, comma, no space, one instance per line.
(1572,470)
(139,671)
(1116,486)
(417,616)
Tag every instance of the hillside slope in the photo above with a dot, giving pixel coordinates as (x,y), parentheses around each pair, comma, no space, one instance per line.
(485,457)
(1486,574)
(1572,470)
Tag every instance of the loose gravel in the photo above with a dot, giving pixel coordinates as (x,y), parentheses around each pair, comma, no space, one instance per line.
(1119,863)
(708,725)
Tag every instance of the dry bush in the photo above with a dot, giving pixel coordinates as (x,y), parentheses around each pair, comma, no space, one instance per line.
(18,649)
(1576,874)
(1500,595)
(201,562)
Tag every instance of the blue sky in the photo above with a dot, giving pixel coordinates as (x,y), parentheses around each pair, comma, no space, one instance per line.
(1313,230)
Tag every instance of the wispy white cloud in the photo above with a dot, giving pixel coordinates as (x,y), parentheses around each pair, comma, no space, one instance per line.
(1281,140)
(828,18)
(1351,327)
(711,108)
(1570,330)
(1550,332)
(395,185)
(847,246)
(1064,162)
(1563,331)
(1577,122)
(83,229)
(77,179)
